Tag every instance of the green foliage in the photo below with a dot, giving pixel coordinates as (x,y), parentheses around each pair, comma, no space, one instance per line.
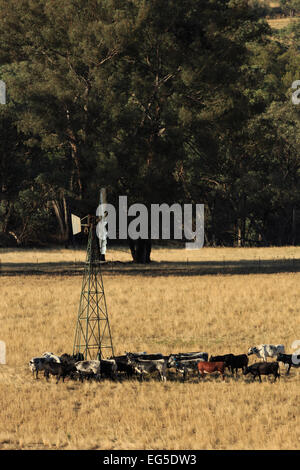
(161,101)
(290,7)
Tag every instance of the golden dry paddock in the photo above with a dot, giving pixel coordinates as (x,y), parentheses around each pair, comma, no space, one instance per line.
(217,313)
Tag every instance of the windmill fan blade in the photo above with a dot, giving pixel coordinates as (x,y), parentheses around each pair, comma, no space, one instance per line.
(76,224)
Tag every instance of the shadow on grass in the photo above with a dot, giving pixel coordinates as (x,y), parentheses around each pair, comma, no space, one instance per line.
(154,269)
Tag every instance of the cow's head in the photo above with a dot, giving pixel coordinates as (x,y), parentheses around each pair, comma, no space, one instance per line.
(246,370)
(171,361)
(252,351)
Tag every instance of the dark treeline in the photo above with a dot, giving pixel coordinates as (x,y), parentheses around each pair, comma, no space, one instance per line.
(168,101)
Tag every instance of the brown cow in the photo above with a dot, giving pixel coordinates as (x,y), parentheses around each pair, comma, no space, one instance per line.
(210,367)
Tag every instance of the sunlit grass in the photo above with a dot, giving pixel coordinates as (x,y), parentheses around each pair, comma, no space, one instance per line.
(217,314)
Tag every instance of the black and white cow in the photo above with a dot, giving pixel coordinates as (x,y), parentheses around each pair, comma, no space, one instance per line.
(263,351)
(36,365)
(88,369)
(290,360)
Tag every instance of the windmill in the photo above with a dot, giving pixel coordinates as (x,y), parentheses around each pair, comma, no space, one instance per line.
(93,335)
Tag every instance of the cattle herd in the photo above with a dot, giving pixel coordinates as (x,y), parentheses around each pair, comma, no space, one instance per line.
(143,364)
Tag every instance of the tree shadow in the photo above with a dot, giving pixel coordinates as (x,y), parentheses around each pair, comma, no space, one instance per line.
(156,269)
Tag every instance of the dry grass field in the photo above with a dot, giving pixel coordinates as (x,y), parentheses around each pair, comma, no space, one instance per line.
(280,23)
(157,313)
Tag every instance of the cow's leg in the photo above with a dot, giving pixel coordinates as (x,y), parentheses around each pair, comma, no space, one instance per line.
(289,368)
(259,376)
(164,374)
(162,377)
(200,374)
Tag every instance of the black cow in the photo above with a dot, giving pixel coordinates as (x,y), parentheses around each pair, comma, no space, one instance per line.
(68,358)
(232,362)
(124,366)
(226,358)
(292,360)
(62,369)
(108,368)
(263,368)
(239,361)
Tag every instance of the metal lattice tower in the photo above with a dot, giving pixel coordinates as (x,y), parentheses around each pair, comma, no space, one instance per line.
(93,335)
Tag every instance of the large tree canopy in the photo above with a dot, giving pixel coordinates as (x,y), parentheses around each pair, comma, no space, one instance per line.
(159,100)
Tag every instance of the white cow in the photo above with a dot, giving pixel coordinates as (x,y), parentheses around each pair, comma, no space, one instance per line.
(88,368)
(262,351)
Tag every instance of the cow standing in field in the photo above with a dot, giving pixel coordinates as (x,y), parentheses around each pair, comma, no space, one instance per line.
(290,360)
(183,365)
(36,364)
(210,367)
(61,369)
(108,368)
(263,351)
(263,368)
(146,366)
(124,366)
(239,361)
(226,358)
(232,362)
(88,369)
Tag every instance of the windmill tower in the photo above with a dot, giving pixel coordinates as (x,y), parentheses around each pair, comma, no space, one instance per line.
(92,335)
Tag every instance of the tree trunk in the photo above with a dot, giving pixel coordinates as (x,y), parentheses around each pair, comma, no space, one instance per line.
(61,212)
(294,227)
(239,234)
(140,250)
